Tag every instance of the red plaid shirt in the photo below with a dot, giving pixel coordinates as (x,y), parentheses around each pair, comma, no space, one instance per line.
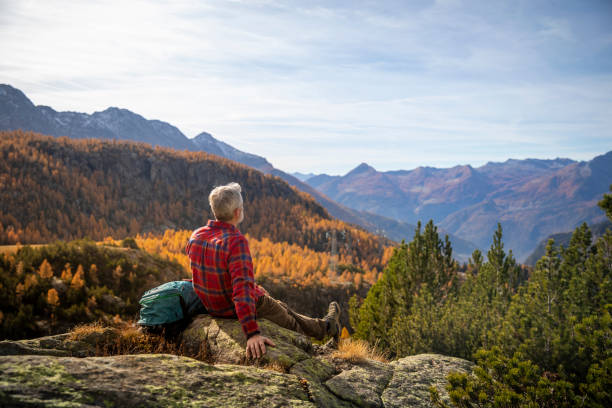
(223,273)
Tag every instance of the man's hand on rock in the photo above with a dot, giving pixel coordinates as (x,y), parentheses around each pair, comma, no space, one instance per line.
(256,346)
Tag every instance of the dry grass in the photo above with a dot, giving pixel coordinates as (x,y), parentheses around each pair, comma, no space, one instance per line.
(276,366)
(129,339)
(85,330)
(355,351)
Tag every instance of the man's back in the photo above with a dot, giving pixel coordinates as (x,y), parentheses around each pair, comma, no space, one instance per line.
(223,273)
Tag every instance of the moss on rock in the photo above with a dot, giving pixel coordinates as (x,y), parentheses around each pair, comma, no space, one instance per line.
(143,380)
(43,372)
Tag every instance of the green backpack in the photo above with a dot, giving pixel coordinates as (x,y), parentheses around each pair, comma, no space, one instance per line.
(172,302)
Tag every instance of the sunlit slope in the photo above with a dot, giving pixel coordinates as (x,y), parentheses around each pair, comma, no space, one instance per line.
(60,188)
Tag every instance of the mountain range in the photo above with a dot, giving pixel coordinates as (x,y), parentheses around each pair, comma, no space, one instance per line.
(18,112)
(531,198)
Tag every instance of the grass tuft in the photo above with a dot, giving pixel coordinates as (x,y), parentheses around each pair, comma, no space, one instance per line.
(276,366)
(129,339)
(356,351)
(85,330)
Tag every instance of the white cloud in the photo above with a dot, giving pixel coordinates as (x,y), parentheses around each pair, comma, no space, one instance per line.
(433,84)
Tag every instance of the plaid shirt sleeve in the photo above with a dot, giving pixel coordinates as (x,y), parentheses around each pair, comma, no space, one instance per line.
(243,284)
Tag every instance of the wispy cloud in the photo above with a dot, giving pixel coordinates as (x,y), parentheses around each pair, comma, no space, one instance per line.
(557,28)
(323,86)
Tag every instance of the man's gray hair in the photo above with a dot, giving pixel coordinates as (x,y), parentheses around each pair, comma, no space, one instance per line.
(224,200)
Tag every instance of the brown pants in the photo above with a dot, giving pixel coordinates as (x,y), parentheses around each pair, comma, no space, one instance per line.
(279,313)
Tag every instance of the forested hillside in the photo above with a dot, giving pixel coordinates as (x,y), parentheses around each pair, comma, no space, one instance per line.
(60,188)
(50,289)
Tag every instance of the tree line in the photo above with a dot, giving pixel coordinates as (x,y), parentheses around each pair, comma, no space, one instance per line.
(538,339)
(277,262)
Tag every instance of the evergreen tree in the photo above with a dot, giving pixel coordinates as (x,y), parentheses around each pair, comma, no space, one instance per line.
(533,319)
(606,204)
(374,318)
(555,344)
(506,270)
(422,270)
(475,261)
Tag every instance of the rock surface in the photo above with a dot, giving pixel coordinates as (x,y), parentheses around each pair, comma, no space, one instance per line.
(61,371)
(412,377)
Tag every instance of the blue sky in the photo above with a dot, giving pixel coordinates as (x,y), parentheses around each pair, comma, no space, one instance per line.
(321,86)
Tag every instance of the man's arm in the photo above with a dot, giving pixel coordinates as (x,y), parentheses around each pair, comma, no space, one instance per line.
(243,285)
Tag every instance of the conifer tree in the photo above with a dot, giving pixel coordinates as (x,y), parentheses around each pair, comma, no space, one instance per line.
(45,271)
(52,298)
(67,273)
(533,317)
(505,267)
(424,265)
(78,280)
(475,261)
(606,204)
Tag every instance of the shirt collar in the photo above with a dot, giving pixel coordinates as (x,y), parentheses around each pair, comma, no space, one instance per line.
(220,224)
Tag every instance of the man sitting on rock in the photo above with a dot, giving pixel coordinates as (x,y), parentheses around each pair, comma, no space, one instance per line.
(223,277)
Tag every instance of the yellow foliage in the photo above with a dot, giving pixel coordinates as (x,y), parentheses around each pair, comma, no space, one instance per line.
(344,334)
(277,261)
(45,271)
(30,281)
(67,273)
(78,281)
(53,298)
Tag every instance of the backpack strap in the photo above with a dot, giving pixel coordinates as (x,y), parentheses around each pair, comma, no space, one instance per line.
(184,308)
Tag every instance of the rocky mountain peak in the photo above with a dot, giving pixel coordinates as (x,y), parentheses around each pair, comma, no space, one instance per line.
(361,169)
(13,98)
(205,136)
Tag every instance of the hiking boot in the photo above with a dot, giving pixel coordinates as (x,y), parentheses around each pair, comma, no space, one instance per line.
(333,320)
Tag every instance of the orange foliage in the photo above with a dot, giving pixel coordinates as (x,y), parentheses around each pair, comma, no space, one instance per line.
(45,271)
(279,262)
(93,274)
(53,298)
(78,281)
(30,281)
(67,273)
